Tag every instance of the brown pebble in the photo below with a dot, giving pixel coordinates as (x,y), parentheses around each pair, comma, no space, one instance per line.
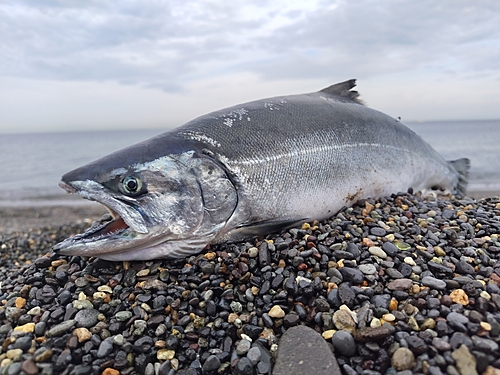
(45,356)
(210,255)
(459,296)
(393,305)
(29,367)
(368,209)
(446,300)
(367,242)
(371,334)
(490,370)
(110,371)
(495,278)
(83,334)
(59,262)
(400,284)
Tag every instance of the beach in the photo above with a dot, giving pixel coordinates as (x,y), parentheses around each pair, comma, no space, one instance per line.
(397,284)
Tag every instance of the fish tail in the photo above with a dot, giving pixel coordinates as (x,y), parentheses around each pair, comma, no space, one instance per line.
(462,167)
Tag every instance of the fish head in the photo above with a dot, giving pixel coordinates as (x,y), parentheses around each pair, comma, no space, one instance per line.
(167,207)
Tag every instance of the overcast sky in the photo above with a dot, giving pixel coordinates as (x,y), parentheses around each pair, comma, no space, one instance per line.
(70,65)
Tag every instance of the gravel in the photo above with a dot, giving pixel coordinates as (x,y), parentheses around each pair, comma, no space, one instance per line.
(396,284)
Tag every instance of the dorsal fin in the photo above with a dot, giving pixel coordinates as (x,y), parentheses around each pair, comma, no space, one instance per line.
(343,89)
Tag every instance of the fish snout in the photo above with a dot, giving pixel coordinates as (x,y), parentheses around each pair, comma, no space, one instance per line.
(67,187)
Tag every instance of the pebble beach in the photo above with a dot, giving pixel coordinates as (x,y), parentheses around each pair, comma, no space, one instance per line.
(398,285)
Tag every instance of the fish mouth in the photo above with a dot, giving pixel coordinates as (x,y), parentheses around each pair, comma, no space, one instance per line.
(123,221)
(107,227)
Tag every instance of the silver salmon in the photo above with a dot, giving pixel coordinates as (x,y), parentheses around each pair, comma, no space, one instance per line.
(249,170)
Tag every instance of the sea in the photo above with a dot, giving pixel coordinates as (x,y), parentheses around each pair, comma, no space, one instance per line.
(33,163)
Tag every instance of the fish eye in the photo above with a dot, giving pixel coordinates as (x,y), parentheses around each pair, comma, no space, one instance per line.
(131,185)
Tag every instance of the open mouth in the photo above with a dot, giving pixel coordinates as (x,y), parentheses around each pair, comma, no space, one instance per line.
(106,227)
(109,225)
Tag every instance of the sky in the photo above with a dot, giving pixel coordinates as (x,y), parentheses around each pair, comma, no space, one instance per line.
(71,65)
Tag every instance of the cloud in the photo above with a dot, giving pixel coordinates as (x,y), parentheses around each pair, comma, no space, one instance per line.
(165,44)
(133,53)
(364,38)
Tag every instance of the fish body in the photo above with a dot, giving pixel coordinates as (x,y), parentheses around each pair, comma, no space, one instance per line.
(252,169)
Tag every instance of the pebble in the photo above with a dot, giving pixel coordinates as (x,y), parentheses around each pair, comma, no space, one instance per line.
(343,320)
(400,284)
(303,351)
(212,363)
(433,283)
(459,296)
(86,318)
(29,367)
(243,347)
(254,355)
(344,343)
(465,362)
(105,348)
(368,269)
(377,251)
(403,359)
(276,312)
(371,334)
(61,328)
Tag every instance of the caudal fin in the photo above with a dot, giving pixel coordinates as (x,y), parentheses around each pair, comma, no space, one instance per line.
(462,167)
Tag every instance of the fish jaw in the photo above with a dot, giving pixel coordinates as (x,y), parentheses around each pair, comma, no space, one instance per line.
(117,205)
(125,229)
(120,235)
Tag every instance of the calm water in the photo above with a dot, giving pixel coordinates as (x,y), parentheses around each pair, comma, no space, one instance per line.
(32,164)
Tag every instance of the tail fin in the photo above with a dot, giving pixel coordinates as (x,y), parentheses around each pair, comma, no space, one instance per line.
(462,167)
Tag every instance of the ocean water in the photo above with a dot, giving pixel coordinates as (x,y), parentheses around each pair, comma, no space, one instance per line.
(32,164)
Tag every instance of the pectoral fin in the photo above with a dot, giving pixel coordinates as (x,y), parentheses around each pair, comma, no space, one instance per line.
(249,230)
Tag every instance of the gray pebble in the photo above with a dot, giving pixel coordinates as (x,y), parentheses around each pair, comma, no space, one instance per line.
(433,283)
(368,269)
(105,348)
(394,273)
(376,231)
(60,328)
(344,343)
(390,249)
(254,355)
(86,318)
(212,363)
(484,344)
(122,316)
(243,347)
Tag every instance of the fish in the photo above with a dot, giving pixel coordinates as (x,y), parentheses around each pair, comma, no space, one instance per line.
(250,170)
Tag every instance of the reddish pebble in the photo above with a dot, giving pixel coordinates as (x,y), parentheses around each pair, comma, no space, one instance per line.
(29,367)
(302,267)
